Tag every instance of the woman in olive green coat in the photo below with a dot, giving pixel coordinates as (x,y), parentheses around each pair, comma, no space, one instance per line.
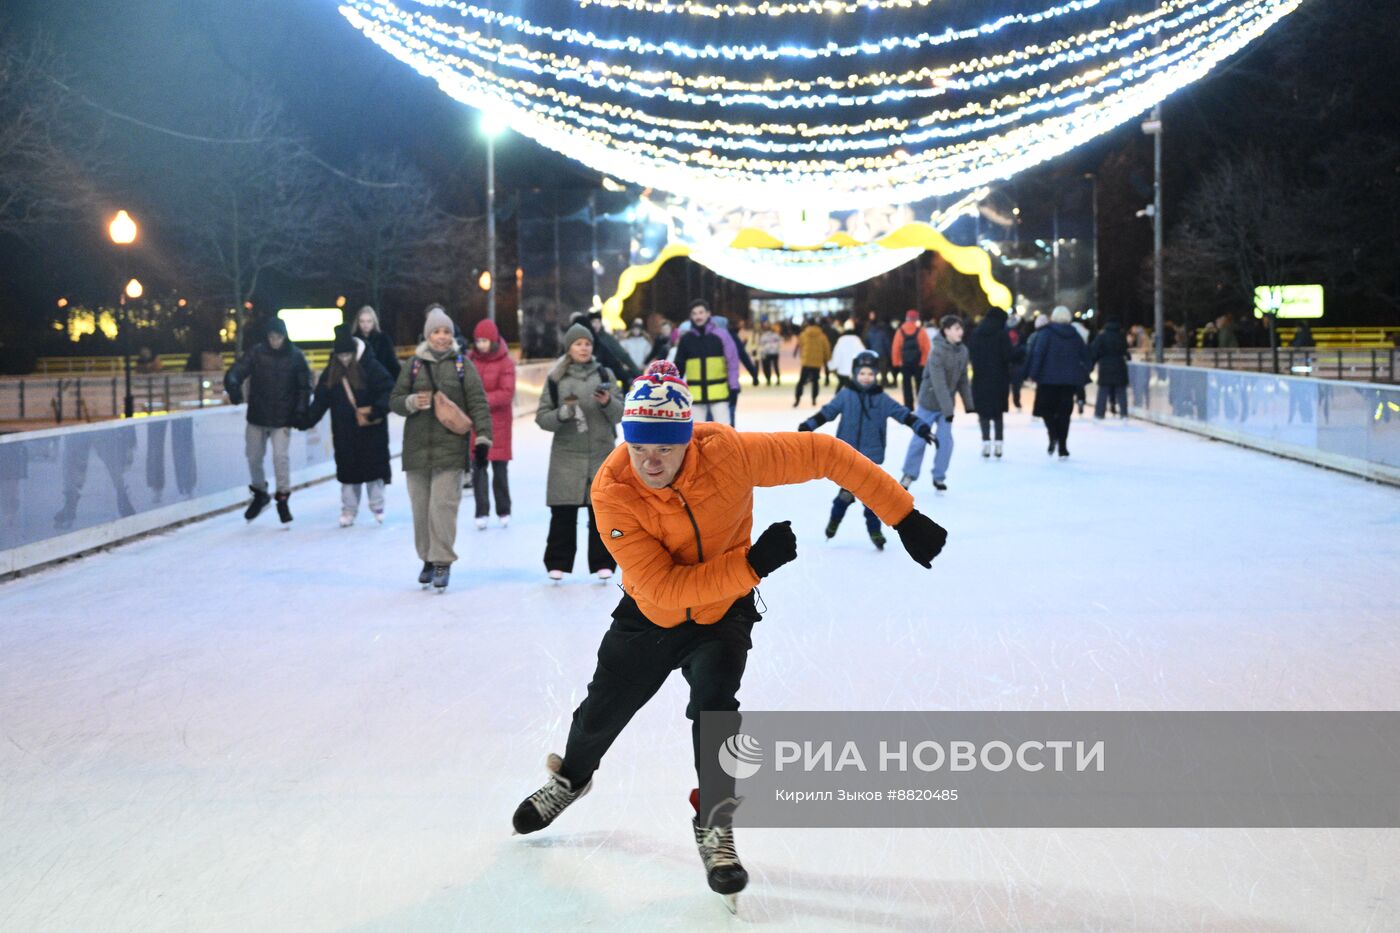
(434,458)
(582,407)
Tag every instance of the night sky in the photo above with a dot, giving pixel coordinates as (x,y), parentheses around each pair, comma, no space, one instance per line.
(158,59)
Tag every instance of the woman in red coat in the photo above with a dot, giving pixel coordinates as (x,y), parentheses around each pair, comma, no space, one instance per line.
(491,357)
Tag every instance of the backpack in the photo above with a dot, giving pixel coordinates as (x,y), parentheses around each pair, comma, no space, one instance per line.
(909,351)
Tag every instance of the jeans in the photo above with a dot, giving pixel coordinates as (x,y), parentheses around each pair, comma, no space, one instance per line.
(1115,398)
(943,433)
(500,485)
(350,497)
(256,438)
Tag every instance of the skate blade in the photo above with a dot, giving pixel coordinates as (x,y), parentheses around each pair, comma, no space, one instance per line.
(731,903)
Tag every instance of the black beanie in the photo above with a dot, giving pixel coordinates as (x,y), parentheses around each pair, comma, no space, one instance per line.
(344,341)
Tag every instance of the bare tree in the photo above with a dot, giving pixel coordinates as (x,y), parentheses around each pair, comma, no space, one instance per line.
(392,239)
(253,203)
(50,144)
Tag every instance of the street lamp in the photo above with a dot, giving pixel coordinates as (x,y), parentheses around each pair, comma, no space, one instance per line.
(1153,127)
(491,127)
(123,232)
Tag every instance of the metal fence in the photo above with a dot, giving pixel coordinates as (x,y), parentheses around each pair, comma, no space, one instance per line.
(65,400)
(1373,365)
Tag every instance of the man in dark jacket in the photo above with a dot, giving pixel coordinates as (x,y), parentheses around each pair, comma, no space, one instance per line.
(278,394)
(609,352)
(1110,353)
(1059,365)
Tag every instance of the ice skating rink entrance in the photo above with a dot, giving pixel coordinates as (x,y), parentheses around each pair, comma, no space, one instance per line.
(233,727)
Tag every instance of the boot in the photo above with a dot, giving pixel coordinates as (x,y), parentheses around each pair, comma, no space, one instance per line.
(877,537)
(425,576)
(283,512)
(543,806)
(441,572)
(260,501)
(723,869)
(831,527)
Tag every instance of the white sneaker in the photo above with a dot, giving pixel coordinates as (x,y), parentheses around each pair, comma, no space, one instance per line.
(504,520)
(346,519)
(556,575)
(605,574)
(481,524)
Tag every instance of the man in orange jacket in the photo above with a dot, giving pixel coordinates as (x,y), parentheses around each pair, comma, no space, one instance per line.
(674,505)
(909,354)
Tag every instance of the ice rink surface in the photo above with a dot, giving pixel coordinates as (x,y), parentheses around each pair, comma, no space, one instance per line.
(234,727)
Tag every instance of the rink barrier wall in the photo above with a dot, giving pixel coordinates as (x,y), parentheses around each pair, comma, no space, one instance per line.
(1353,427)
(69,490)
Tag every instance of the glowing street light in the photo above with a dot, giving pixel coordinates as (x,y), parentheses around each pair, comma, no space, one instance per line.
(134,289)
(484,281)
(122,229)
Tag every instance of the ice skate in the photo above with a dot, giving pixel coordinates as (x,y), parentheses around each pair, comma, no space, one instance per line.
(260,501)
(986,449)
(346,519)
(481,523)
(831,527)
(425,576)
(906,480)
(283,511)
(939,485)
(996,449)
(556,575)
(441,573)
(604,575)
(504,520)
(723,870)
(877,538)
(379,517)
(542,807)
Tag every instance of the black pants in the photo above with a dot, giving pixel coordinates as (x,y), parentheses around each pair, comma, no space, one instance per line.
(771,372)
(1055,404)
(634,660)
(987,423)
(812,374)
(500,485)
(913,380)
(562,545)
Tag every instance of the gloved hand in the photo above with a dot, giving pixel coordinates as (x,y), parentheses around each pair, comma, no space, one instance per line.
(806,425)
(921,429)
(921,536)
(948,417)
(479,455)
(775,547)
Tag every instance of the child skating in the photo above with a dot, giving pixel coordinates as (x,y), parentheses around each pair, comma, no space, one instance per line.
(863,407)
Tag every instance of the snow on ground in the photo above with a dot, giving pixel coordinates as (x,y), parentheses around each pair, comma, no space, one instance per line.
(233,727)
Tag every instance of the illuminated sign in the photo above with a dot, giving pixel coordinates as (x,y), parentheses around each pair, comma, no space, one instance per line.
(1288,301)
(311,325)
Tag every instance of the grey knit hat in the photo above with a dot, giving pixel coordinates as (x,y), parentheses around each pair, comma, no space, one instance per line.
(437,317)
(577,332)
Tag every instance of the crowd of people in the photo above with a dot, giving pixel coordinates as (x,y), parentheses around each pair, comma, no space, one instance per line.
(458,402)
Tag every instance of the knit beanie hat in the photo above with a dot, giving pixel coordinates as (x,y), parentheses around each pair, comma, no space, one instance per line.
(657,408)
(344,341)
(486,330)
(437,317)
(577,332)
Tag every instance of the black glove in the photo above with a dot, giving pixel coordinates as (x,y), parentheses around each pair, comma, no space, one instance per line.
(921,536)
(806,426)
(774,547)
(479,455)
(948,417)
(812,423)
(922,429)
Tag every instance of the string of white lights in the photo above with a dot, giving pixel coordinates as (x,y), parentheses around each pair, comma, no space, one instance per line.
(638,124)
(874,156)
(934,81)
(766,8)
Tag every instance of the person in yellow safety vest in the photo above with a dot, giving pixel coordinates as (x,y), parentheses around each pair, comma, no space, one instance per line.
(708,359)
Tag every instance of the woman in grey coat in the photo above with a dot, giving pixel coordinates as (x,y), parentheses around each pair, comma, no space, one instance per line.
(945,376)
(581,407)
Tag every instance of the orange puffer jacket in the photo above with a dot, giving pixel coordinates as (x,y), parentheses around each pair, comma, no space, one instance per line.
(684,549)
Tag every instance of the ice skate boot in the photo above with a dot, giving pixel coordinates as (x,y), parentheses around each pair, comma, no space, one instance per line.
(425,576)
(723,870)
(831,527)
(283,511)
(877,538)
(441,573)
(986,449)
(260,501)
(996,449)
(542,807)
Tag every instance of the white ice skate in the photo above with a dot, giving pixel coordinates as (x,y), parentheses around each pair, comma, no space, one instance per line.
(481,523)
(346,519)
